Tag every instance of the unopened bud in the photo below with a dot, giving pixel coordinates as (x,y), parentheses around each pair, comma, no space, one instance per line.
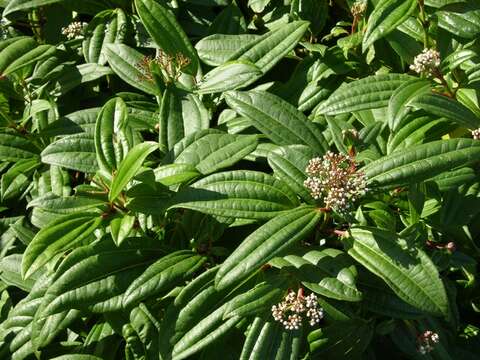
(359,8)
(476,134)
(451,246)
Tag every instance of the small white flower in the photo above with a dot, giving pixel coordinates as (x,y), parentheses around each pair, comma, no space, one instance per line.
(335,179)
(74,30)
(4,33)
(426,341)
(350,132)
(476,134)
(426,62)
(289,311)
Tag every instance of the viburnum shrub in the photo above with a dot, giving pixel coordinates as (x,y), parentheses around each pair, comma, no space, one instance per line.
(239,179)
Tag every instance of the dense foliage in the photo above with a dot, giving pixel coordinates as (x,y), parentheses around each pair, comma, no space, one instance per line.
(220,179)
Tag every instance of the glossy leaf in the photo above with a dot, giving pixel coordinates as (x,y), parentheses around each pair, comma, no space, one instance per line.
(386,17)
(213,152)
(409,273)
(129,167)
(257,300)
(268,339)
(277,119)
(269,49)
(75,152)
(368,93)
(215,50)
(124,61)
(95,276)
(61,235)
(39,53)
(11,273)
(79,75)
(327,272)
(418,130)
(173,174)
(120,228)
(463,20)
(166,31)
(15,147)
(450,109)
(398,104)
(113,137)
(268,241)
(229,76)
(67,204)
(421,162)
(289,164)
(105,28)
(181,114)
(14,51)
(240,194)
(204,333)
(162,276)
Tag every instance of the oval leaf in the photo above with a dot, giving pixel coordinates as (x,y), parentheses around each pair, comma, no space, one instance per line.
(408,272)
(240,194)
(277,119)
(162,276)
(421,162)
(368,93)
(265,243)
(60,235)
(229,76)
(129,167)
(166,32)
(386,17)
(76,152)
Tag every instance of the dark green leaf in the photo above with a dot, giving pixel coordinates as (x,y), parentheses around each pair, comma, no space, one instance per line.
(409,272)
(166,31)
(277,119)
(129,167)
(386,17)
(450,109)
(268,241)
(368,93)
(61,235)
(75,152)
(240,194)
(422,162)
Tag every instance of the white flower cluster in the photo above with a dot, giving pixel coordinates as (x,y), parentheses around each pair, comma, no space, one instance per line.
(426,62)
(334,178)
(476,134)
(74,30)
(4,33)
(350,132)
(358,8)
(426,341)
(289,311)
